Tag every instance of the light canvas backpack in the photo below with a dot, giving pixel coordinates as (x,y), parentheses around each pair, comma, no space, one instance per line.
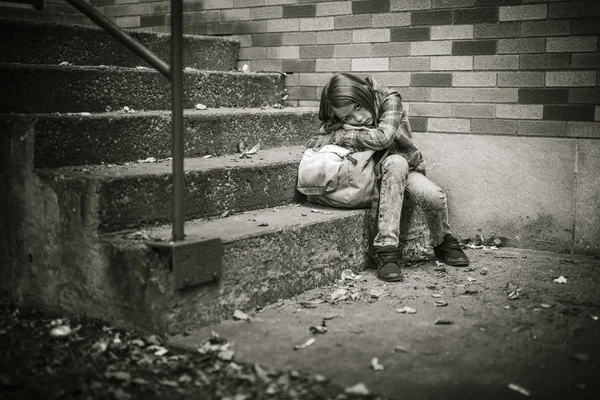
(334,176)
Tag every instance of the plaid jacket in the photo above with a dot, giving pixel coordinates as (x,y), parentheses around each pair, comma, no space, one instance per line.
(392,130)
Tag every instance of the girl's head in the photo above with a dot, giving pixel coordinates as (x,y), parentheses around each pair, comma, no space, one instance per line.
(348,99)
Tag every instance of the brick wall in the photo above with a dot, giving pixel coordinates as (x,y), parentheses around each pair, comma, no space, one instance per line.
(524,67)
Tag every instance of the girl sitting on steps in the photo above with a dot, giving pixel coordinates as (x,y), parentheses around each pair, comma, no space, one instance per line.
(359,114)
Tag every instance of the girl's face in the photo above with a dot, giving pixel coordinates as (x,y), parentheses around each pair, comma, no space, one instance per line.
(354,114)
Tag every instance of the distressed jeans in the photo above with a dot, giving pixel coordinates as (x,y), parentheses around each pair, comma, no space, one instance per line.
(396,183)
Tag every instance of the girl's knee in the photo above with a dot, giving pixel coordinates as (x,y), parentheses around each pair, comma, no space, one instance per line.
(437,199)
(395,164)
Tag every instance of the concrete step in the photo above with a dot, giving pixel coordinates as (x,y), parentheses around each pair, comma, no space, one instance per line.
(267,255)
(49,88)
(117,137)
(32,42)
(115,197)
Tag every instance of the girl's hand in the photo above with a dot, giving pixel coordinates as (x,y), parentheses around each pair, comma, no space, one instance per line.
(349,127)
(320,140)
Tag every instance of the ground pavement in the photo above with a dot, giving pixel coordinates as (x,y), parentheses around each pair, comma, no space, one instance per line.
(514,324)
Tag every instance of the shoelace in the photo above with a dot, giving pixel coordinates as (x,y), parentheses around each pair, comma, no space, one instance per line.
(387,256)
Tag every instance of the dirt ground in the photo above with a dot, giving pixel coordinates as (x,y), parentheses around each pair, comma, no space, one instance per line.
(503,328)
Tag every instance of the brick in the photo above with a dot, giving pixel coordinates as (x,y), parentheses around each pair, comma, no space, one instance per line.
(418,124)
(452,3)
(572,44)
(452,32)
(322,51)
(496,62)
(352,50)
(430,110)
(409,5)
(520,46)
(476,15)
(390,19)
(574,10)
(211,4)
(474,79)
(583,129)
(597,117)
(409,34)
(569,113)
(299,11)
(543,96)
(474,47)
(542,128)
(409,64)
(495,95)
(333,8)
(571,78)
(244,40)
(431,48)
(431,80)
(352,21)
(416,94)
(201,17)
(298,65)
(370,35)
(544,61)
(283,52)
(430,17)
(519,111)
(370,7)
(392,79)
(128,22)
(267,40)
(499,30)
(194,5)
(546,28)
(456,95)
(153,20)
(246,26)
(521,79)
(497,2)
(158,8)
(586,26)
(590,96)
(127,10)
(247,3)
(370,64)
(334,37)
(316,24)
(253,53)
(390,49)
(266,12)
(494,126)
(449,125)
(585,60)
(297,38)
(333,64)
(282,25)
(473,111)
(453,63)
(236,14)
(266,65)
(520,13)
(316,79)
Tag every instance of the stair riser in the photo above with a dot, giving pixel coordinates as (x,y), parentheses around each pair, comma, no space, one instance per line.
(257,271)
(76,140)
(70,89)
(43,43)
(147,199)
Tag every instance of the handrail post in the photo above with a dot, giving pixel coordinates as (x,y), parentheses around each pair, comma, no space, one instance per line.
(177,117)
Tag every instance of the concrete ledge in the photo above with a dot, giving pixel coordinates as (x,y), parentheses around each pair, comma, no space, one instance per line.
(53,43)
(45,89)
(117,137)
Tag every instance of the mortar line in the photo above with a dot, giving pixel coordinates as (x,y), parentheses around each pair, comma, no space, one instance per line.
(575,196)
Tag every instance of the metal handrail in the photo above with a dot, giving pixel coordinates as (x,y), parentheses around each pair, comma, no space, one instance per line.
(175,74)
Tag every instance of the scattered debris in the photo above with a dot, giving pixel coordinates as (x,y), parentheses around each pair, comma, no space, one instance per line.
(519,389)
(594,317)
(200,106)
(440,303)
(436,295)
(128,109)
(60,331)
(263,224)
(226,214)
(359,389)
(306,344)
(319,329)
(85,114)
(560,279)
(514,295)
(440,269)
(406,310)
(338,294)
(64,63)
(581,357)
(442,321)
(376,365)
(245,68)
(544,305)
(347,274)
(471,291)
(207,156)
(400,349)
(470,279)
(245,152)
(108,109)
(484,271)
(240,315)
(147,160)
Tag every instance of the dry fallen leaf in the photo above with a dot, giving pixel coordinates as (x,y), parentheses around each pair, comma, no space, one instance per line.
(358,389)
(240,315)
(440,303)
(338,294)
(560,279)
(376,365)
(304,345)
(441,321)
(519,389)
(406,310)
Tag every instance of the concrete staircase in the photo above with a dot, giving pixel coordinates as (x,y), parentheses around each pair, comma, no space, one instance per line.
(80,205)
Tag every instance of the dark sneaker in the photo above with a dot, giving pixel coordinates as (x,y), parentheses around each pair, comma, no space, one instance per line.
(450,252)
(389,268)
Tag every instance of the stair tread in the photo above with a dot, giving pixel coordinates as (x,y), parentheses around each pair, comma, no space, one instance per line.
(246,224)
(264,157)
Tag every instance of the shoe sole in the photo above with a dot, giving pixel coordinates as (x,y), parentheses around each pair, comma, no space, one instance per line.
(398,279)
(454,264)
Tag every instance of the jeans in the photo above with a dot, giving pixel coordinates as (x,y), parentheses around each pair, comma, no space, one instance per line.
(397,181)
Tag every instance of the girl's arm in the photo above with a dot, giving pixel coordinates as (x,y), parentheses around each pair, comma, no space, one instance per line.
(378,138)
